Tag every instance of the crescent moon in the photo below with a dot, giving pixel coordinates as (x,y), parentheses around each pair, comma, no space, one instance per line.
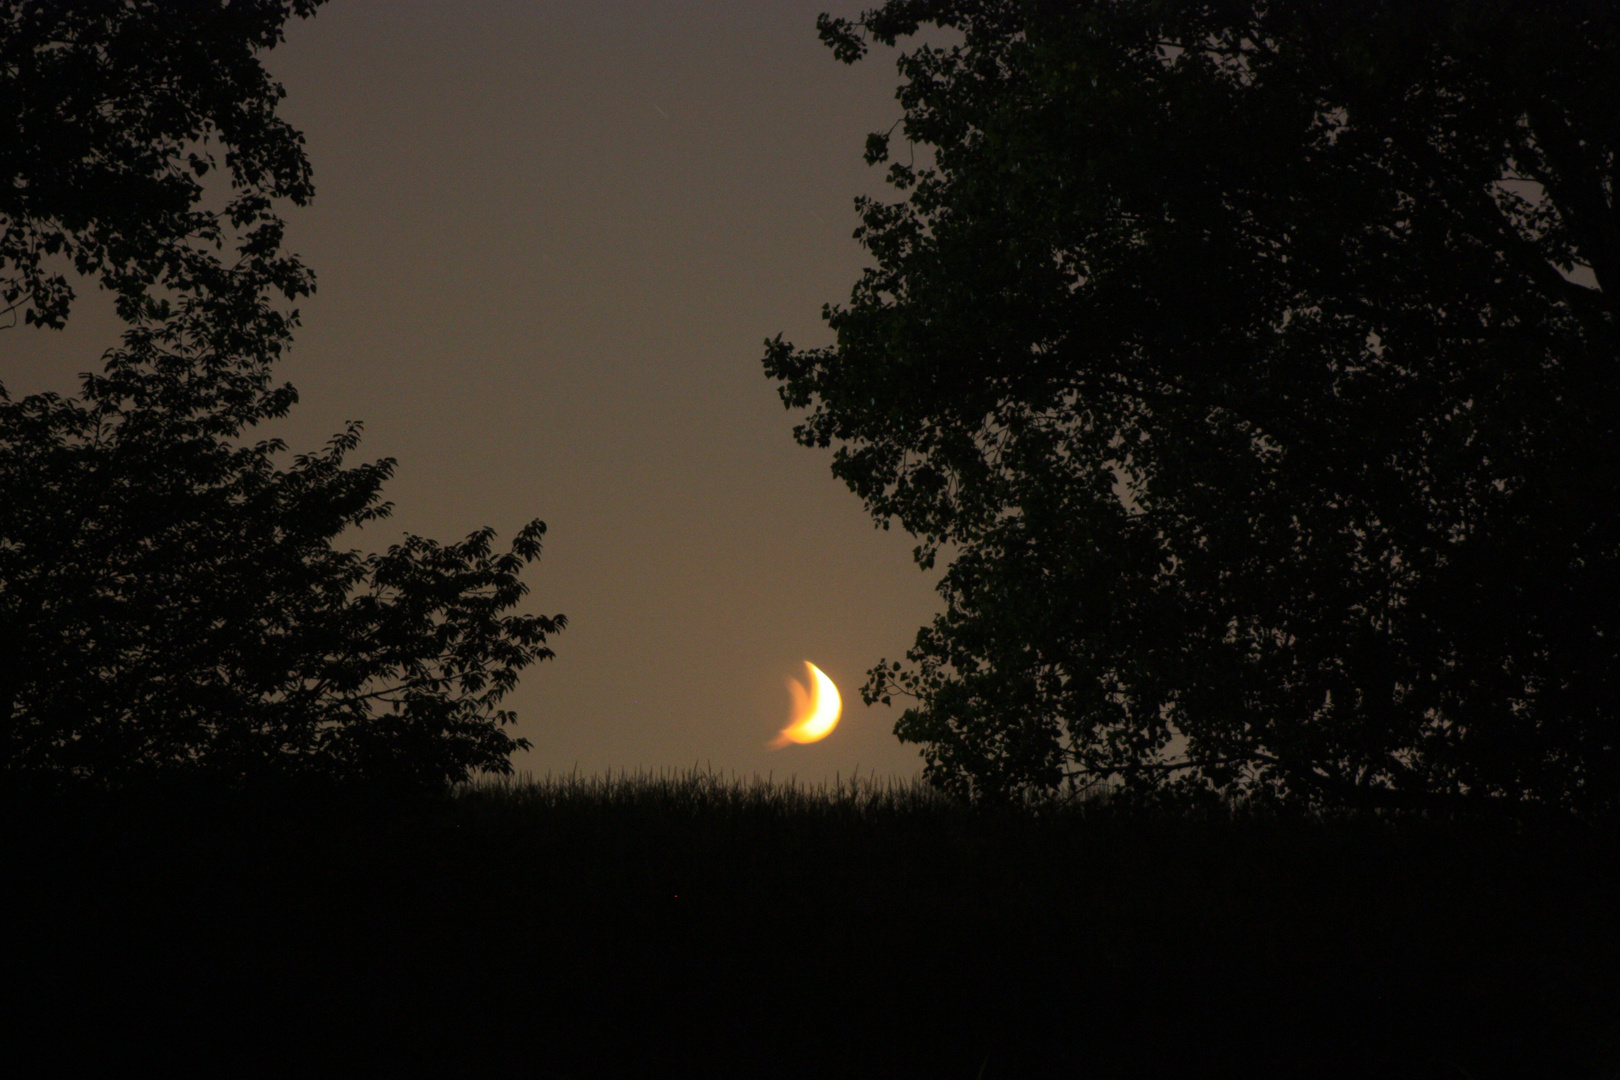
(815,711)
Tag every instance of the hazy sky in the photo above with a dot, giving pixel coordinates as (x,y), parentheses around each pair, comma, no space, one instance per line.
(550,238)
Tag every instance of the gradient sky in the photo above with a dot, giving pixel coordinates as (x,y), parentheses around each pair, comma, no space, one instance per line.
(550,238)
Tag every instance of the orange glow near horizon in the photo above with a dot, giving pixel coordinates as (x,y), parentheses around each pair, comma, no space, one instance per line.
(815,710)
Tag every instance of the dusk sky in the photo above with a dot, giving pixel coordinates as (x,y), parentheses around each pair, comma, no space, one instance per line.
(550,238)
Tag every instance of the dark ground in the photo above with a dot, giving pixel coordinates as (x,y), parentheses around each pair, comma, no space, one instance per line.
(482,941)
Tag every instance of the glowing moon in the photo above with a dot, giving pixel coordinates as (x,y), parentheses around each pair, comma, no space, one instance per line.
(815,711)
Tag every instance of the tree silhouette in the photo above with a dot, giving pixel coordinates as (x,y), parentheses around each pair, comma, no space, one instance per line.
(116,111)
(171,600)
(1259,362)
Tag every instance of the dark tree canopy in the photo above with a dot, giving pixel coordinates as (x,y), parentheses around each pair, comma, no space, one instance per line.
(171,599)
(116,110)
(1260,363)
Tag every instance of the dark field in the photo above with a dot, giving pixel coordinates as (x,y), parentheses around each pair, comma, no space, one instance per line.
(685,926)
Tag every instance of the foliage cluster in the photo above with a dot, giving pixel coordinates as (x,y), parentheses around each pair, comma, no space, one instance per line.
(172,600)
(1261,365)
